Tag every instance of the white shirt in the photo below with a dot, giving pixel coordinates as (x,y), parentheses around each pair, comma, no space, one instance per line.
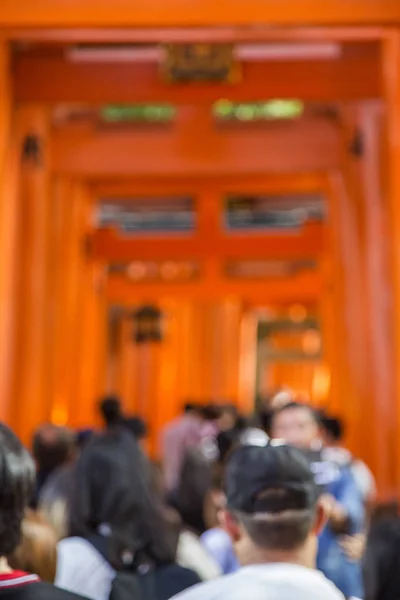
(281,581)
(192,555)
(82,570)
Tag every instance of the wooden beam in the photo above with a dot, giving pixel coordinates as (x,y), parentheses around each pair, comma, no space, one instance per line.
(176,35)
(187,148)
(294,183)
(48,77)
(305,287)
(107,245)
(124,13)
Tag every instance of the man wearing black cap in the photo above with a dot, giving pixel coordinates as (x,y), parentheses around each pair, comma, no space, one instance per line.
(273,515)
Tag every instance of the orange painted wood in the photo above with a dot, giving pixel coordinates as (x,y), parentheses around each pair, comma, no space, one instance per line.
(61,226)
(49,77)
(301,146)
(350,314)
(9,206)
(176,35)
(85,13)
(268,184)
(303,287)
(33,393)
(366,180)
(107,244)
(94,346)
(391,74)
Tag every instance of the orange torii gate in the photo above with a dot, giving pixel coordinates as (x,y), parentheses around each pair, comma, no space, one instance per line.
(53,295)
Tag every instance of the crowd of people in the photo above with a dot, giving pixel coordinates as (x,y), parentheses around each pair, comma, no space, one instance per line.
(268,507)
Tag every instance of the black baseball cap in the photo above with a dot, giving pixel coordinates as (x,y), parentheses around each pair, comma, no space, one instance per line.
(269,479)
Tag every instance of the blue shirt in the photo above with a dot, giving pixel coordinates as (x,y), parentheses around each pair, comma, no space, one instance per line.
(331,559)
(219,545)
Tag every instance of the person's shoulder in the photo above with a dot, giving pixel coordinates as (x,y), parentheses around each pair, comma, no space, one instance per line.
(216,537)
(42,590)
(216,589)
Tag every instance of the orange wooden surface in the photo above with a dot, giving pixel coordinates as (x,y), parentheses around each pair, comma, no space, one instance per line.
(9,208)
(302,146)
(179,35)
(310,182)
(100,13)
(303,287)
(391,74)
(366,181)
(110,245)
(49,77)
(33,393)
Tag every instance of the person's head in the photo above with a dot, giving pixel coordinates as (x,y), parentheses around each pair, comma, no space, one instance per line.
(381,562)
(37,552)
(136,426)
(273,508)
(228,417)
(297,424)
(112,496)
(332,429)
(195,481)
(281,399)
(52,446)
(17,481)
(111,412)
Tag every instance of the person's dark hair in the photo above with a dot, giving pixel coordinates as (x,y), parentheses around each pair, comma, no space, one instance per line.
(52,446)
(278,531)
(190,407)
(211,412)
(110,408)
(333,427)
(112,492)
(17,481)
(381,564)
(194,483)
(136,426)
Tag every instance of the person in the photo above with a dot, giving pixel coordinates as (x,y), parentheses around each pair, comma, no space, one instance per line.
(17,485)
(52,502)
(116,525)
(273,515)
(333,431)
(37,552)
(194,483)
(178,436)
(137,427)
(51,448)
(215,539)
(111,411)
(298,425)
(381,563)
(189,551)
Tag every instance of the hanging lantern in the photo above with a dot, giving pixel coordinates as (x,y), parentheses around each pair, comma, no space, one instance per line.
(147,325)
(32,150)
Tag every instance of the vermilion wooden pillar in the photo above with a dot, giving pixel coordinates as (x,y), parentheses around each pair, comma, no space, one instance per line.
(391,77)
(32,390)
(366,181)
(79,312)
(347,294)
(9,205)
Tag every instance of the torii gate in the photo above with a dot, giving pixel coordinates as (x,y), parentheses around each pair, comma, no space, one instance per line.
(52,318)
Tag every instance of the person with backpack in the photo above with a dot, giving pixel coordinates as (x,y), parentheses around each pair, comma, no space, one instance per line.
(118,546)
(23,549)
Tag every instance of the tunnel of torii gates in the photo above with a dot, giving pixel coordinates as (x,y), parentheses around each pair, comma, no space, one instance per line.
(59,280)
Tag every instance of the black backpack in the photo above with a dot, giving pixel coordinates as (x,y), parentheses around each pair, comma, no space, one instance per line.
(135,582)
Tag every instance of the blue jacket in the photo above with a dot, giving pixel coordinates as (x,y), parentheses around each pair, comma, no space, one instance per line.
(331,559)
